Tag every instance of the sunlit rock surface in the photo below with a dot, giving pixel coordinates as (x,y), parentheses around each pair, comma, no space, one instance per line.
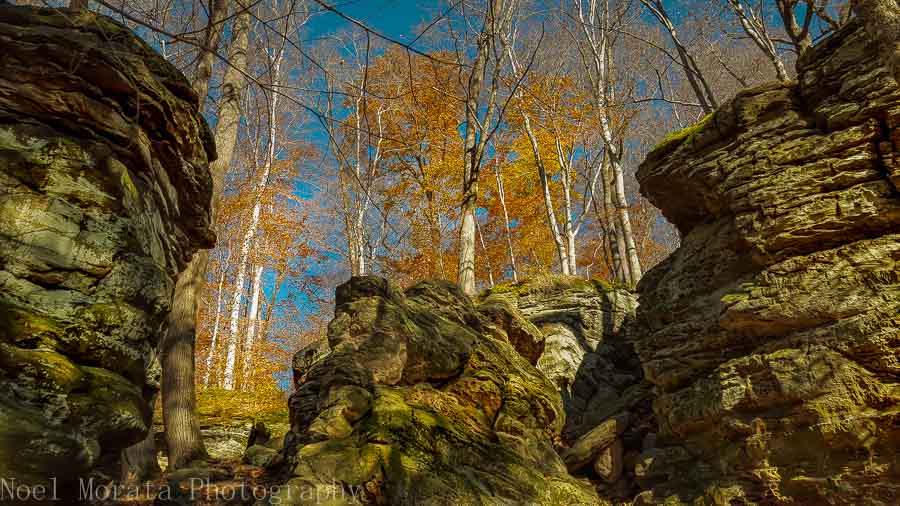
(772,335)
(104,197)
(422,399)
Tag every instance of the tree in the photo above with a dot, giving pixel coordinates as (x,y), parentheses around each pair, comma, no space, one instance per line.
(178,345)
(754,26)
(596,45)
(479,128)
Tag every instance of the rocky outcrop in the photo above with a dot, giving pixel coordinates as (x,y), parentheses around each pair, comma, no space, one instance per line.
(422,399)
(772,335)
(104,196)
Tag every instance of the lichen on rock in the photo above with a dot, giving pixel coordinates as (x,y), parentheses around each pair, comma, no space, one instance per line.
(104,197)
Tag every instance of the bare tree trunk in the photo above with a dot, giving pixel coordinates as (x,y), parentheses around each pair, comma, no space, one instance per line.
(78,4)
(634,263)
(615,242)
(250,233)
(253,318)
(695,77)
(882,22)
(509,244)
(548,200)
(490,268)
(178,355)
(214,342)
(755,27)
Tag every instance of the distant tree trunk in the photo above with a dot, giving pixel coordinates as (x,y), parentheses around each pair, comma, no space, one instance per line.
(250,233)
(178,347)
(692,71)
(214,342)
(634,263)
(755,27)
(490,268)
(882,22)
(501,194)
(561,252)
(253,319)
(78,4)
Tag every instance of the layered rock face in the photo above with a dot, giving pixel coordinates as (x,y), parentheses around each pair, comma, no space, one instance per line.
(104,196)
(420,398)
(589,355)
(772,335)
(588,352)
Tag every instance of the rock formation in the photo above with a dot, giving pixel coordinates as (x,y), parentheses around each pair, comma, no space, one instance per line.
(422,399)
(588,354)
(772,335)
(104,196)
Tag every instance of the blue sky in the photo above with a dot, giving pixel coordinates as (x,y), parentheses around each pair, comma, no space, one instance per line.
(395,18)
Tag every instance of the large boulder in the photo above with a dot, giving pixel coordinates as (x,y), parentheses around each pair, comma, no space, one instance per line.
(104,197)
(772,335)
(423,400)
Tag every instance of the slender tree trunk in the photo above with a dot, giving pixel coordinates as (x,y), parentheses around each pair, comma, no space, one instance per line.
(561,252)
(614,241)
(250,233)
(252,322)
(435,225)
(754,26)
(634,264)
(509,244)
(881,19)
(78,4)
(487,258)
(214,342)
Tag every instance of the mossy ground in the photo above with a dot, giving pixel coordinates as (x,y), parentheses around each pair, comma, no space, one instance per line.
(217,405)
(673,139)
(551,282)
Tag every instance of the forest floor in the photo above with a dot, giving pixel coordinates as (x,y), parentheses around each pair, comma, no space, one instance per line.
(226,419)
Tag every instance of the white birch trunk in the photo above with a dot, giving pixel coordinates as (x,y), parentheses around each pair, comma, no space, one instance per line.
(215,333)
(247,242)
(252,322)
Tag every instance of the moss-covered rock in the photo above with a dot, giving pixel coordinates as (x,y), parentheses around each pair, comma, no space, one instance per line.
(419,401)
(104,196)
